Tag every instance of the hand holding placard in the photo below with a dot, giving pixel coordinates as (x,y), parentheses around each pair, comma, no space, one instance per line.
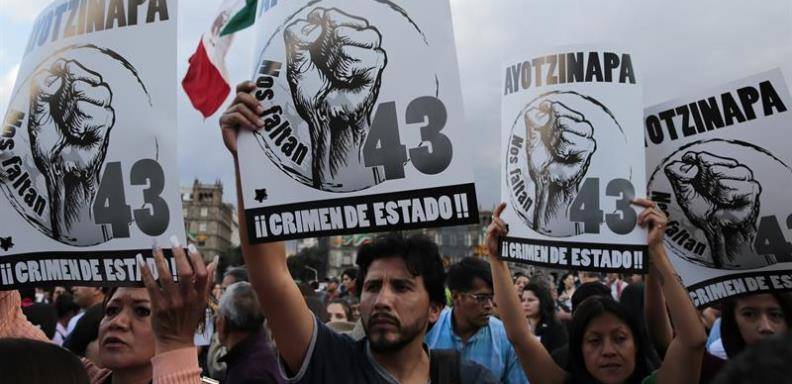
(240,115)
(496,230)
(177,306)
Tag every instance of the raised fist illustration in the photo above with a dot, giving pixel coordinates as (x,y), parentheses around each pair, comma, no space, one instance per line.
(70,121)
(334,69)
(721,197)
(559,146)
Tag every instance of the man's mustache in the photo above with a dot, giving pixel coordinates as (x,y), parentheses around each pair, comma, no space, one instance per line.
(382,316)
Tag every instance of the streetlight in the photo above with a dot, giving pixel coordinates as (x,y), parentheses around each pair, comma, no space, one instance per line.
(316,273)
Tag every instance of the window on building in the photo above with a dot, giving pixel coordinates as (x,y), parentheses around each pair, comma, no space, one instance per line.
(468,239)
(202,227)
(184,212)
(204,211)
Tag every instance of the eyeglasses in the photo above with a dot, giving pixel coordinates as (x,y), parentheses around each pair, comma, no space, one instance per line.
(482,298)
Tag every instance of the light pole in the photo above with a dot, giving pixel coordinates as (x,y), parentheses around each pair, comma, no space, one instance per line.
(316,273)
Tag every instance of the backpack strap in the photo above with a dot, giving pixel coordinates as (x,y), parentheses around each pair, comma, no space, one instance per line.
(444,366)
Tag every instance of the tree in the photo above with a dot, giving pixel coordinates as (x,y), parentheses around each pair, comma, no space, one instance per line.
(314,257)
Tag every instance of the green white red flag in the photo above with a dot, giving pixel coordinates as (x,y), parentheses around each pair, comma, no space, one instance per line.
(206,82)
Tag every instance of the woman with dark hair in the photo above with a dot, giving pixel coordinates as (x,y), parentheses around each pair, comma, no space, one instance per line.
(566,288)
(606,344)
(595,312)
(747,320)
(22,361)
(520,280)
(339,310)
(632,300)
(540,311)
(146,334)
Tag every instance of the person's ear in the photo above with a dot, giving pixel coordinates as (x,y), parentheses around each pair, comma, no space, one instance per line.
(434,312)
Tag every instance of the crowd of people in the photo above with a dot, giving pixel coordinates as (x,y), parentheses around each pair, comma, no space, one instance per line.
(400,316)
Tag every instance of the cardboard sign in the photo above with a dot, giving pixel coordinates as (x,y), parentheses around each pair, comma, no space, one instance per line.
(720,166)
(363,126)
(573,159)
(88,172)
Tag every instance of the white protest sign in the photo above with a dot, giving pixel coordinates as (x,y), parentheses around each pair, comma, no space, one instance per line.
(719,164)
(363,122)
(88,172)
(573,158)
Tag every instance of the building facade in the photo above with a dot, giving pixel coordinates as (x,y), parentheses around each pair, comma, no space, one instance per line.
(458,242)
(209,222)
(454,243)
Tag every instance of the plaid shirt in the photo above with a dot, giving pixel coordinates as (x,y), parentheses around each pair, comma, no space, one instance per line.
(489,347)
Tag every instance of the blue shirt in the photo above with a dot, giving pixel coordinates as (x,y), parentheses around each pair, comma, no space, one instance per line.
(489,346)
(714,332)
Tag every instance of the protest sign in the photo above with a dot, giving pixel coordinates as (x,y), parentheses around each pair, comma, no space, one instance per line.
(719,166)
(363,125)
(88,172)
(573,160)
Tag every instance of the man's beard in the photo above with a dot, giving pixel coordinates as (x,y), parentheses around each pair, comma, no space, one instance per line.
(380,344)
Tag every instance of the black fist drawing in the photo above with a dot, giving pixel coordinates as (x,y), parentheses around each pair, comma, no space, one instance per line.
(720,196)
(70,121)
(559,147)
(335,65)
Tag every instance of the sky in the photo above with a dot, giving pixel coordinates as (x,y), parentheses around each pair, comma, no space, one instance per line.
(679,47)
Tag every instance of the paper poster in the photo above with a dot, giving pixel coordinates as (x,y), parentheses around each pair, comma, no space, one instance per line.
(88,172)
(573,159)
(363,122)
(719,166)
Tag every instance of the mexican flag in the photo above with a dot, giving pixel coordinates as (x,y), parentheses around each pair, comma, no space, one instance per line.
(206,83)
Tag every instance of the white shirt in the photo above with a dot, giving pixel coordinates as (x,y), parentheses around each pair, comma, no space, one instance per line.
(60,334)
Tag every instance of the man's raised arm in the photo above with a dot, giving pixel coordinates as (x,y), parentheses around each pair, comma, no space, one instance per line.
(288,316)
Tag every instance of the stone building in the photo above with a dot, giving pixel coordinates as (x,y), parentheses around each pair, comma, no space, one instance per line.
(208,221)
(454,243)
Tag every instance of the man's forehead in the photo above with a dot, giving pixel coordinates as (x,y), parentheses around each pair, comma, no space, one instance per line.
(479,285)
(391,267)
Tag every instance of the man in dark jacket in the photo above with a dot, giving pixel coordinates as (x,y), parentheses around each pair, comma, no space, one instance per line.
(240,328)
(41,314)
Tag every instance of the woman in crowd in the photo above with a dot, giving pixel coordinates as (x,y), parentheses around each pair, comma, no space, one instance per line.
(565,291)
(146,335)
(540,311)
(605,343)
(520,280)
(747,320)
(339,310)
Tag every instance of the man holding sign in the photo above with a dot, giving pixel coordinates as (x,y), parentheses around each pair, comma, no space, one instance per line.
(402,291)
